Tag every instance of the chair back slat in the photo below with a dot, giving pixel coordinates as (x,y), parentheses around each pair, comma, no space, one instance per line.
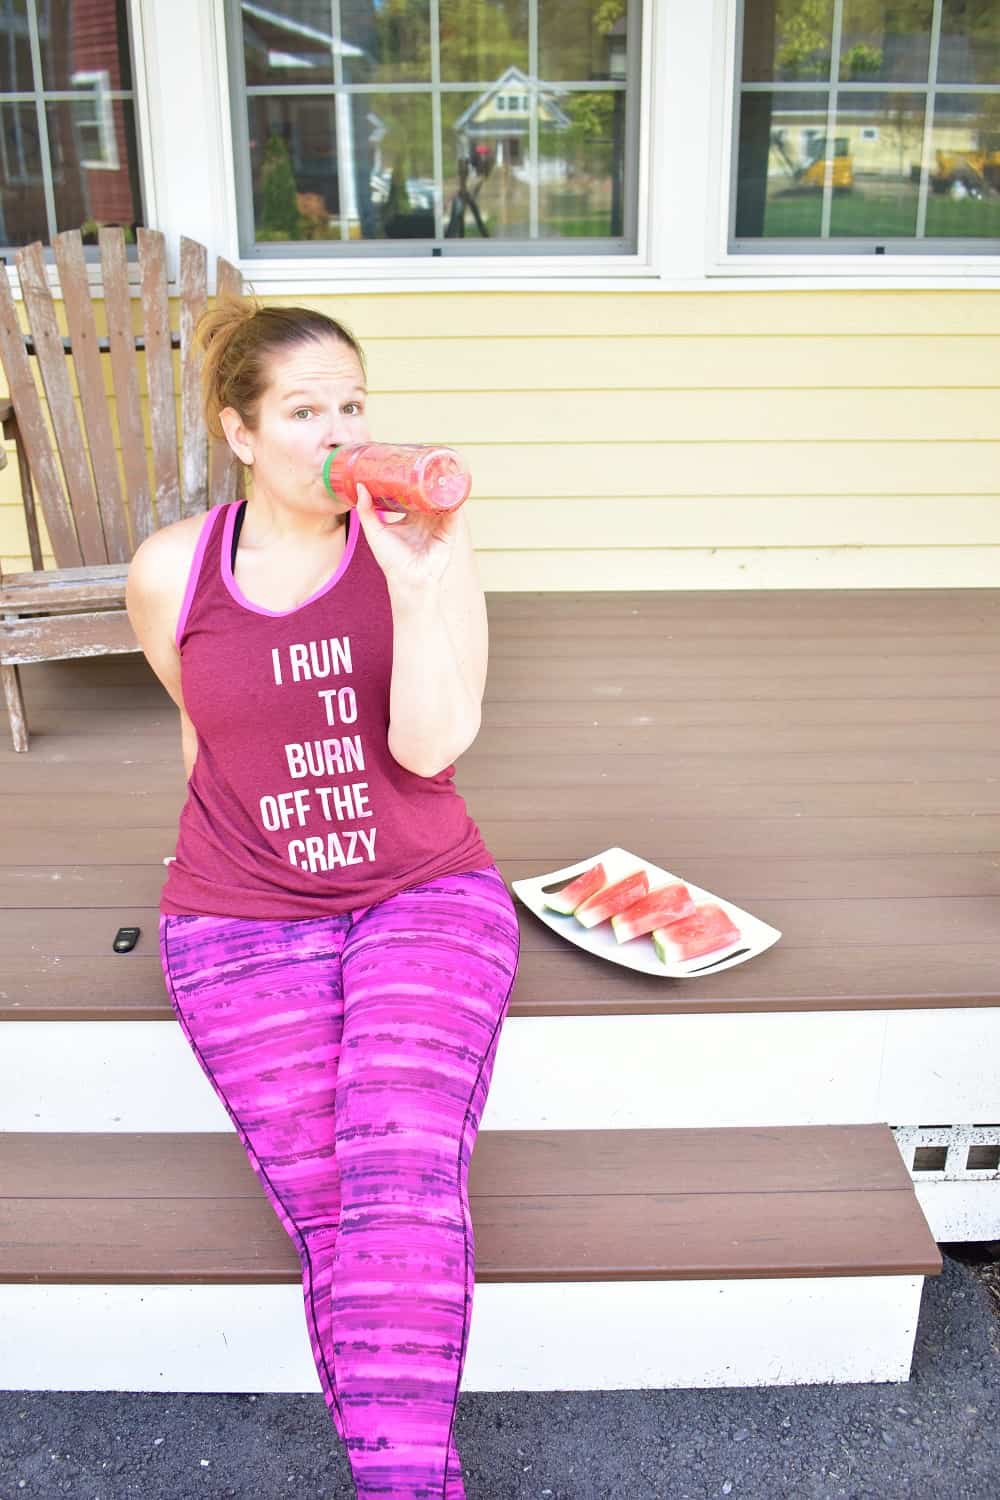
(121,339)
(160,374)
(35,434)
(87,362)
(194,299)
(58,388)
(225,465)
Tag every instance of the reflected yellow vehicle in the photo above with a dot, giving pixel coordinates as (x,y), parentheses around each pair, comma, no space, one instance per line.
(810,173)
(977,171)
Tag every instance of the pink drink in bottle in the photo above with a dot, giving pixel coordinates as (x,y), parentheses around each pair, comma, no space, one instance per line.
(398,476)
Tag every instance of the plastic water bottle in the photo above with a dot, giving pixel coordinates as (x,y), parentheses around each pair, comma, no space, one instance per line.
(398,476)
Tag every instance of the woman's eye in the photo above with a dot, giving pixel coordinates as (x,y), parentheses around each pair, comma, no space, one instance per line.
(299,410)
(357,408)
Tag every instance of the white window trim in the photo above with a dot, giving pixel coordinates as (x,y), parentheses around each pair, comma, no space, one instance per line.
(684,160)
(282,276)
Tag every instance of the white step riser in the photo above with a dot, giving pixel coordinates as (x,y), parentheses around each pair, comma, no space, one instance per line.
(908,1067)
(533,1337)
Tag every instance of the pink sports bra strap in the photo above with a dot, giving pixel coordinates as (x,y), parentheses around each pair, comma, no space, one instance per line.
(195,571)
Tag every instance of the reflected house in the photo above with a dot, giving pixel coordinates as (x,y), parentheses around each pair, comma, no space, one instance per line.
(494,130)
(80,47)
(335,146)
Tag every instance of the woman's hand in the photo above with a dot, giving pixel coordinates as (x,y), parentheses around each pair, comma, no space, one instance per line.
(413,550)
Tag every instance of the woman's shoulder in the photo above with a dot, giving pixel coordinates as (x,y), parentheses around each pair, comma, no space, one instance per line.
(158,576)
(163,560)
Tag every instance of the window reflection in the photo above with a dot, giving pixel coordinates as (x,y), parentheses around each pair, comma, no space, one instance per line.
(87,149)
(828,157)
(334,155)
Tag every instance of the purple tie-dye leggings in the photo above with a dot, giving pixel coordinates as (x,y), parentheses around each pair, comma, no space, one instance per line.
(354,1054)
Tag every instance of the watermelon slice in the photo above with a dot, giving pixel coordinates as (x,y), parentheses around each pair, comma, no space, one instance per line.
(706,931)
(667,904)
(570,897)
(613,899)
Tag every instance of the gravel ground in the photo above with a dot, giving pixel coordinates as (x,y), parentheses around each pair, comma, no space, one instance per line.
(934,1437)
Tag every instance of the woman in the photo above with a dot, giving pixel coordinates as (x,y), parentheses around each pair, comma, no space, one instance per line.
(338,944)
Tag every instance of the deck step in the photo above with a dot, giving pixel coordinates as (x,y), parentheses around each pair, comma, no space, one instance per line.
(604,1259)
(603,1073)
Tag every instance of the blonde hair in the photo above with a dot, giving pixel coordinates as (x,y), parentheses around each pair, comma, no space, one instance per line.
(237,338)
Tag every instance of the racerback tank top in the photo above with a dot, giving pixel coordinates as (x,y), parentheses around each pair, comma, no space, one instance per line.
(296,807)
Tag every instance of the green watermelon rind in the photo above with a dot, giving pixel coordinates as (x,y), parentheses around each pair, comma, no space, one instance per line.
(660,935)
(558,901)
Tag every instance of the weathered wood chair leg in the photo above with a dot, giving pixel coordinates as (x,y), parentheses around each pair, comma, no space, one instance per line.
(15,705)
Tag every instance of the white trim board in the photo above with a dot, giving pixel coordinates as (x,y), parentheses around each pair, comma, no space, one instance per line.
(523,1337)
(906,1067)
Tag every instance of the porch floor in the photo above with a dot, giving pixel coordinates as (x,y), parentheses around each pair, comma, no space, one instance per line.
(827,760)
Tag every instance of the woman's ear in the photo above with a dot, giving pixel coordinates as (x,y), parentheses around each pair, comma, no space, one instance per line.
(236,434)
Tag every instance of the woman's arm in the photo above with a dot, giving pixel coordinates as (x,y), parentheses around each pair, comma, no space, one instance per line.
(153,595)
(441,643)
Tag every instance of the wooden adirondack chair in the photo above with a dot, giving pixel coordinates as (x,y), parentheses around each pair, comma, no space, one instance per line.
(96,497)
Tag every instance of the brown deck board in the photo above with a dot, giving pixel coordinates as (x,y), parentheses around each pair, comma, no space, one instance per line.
(566,773)
(859,924)
(740,878)
(558,981)
(546,1205)
(687,746)
(824,759)
(555,844)
(560,804)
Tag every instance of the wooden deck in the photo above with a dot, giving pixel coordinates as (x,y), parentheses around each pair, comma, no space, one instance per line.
(827,760)
(546,1206)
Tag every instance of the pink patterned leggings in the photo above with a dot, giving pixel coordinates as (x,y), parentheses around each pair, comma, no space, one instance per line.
(354,1055)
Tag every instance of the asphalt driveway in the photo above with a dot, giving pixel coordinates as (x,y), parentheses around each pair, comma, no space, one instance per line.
(934,1437)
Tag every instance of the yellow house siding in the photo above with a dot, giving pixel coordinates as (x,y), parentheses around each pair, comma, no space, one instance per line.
(713,439)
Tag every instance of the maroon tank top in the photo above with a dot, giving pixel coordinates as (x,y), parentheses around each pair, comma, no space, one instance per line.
(295,806)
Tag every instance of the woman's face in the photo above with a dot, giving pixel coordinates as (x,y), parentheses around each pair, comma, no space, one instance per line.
(315,401)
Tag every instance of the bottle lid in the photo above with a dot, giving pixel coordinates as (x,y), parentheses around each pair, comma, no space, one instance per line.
(326,472)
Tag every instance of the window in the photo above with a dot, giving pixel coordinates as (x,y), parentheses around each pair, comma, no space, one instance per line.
(445,127)
(870,126)
(68,152)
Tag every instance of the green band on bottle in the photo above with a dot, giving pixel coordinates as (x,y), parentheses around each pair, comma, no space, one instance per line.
(326,473)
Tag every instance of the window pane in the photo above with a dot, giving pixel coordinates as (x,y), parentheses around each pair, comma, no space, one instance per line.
(880,137)
(581,153)
(393,40)
(22,195)
(970,42)
(787,40)
(399,166)
(15,50)
(580,40)
(78,38)
(781,166)
(293,156)
(886,41)
(92,180)
(482,39)
(486,193)
(288,41)
(965,166)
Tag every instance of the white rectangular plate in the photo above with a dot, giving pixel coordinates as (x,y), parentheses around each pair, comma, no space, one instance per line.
(639,953)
